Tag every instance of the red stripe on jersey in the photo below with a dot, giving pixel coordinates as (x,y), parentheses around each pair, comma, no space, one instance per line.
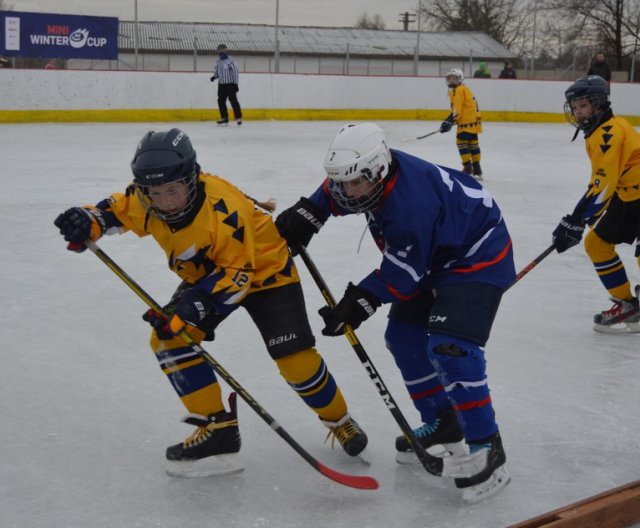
(486,264)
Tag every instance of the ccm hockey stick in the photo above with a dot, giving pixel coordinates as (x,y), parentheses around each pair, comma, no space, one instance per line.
(432,464)
(352,481)
(533,264)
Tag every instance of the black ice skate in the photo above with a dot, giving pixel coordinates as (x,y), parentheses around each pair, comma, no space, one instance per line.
(481,473)
(348,433)
(440,438)
(467,168)
(224,121)
(477,171)
(622,317)
(212,449)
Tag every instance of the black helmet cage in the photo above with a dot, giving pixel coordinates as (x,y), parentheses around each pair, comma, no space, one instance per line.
(161,158)
(364,203)
(595,90)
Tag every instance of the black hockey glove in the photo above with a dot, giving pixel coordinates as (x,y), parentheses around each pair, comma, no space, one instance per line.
(213,78)
(79,224)
(447,124)
(568,233)
(355,307)
(194,305)
(299,223)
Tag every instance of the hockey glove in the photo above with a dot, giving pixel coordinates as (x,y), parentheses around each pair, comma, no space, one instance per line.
(160,323)
(79,224)
(213,78)
(354,308)
(299,223)
(191,309)
(568,233)
(447,124)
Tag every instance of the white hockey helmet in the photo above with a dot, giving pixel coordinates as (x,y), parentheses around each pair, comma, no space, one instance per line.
(454,74)
(357,151)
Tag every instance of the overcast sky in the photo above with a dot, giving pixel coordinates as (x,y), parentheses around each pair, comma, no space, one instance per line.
(291,12)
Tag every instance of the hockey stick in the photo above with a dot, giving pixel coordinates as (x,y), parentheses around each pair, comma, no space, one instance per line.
(352,481)
(421,137)
(533,264)
(432,464)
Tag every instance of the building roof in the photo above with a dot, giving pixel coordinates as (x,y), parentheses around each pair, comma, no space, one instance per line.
(179,37)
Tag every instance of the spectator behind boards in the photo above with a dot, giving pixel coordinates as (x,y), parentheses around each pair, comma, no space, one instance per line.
(600,67)
(482,72)
(508,72)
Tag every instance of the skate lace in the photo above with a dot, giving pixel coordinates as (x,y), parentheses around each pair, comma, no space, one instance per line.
(203,433)
(427,429)
(343,433)
(615,310)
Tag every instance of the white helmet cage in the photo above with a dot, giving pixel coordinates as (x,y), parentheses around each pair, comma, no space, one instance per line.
(457,73)
(357,151)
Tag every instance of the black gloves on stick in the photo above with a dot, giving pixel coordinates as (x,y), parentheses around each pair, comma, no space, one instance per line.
(355,307)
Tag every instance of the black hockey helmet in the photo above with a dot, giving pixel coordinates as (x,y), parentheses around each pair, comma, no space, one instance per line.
(596,90)
(165,157)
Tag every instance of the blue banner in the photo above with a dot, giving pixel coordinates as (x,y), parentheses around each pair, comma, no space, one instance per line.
(58,36)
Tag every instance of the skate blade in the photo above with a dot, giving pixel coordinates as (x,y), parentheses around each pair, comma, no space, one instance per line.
(363,457)
(436,450)
(488,488)
(631,327)
(217,465)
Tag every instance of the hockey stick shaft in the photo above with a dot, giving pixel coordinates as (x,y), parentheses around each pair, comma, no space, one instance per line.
(430,463)
(429,134)
(533,264)
(353,481)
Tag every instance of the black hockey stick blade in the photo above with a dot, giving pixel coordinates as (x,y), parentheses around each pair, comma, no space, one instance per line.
(352,481)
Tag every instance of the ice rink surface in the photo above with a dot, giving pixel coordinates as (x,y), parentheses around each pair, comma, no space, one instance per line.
(86,413)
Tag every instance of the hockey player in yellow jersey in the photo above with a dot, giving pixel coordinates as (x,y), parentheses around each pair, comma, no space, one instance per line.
(228,253)
(611,204)
(466,115)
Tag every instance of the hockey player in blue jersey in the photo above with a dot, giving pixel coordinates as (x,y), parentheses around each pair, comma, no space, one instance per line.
(447,258)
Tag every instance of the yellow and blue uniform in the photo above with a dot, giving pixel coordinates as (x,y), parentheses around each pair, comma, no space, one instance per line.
(466,115)
(233,251)
(612,194)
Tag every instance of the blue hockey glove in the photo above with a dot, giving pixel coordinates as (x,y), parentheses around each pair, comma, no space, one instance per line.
(568,233)
(446,125)
(354,308)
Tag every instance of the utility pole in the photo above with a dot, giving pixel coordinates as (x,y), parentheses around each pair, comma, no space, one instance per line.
(407,18)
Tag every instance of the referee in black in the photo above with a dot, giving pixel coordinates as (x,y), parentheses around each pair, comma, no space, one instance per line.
(226,72)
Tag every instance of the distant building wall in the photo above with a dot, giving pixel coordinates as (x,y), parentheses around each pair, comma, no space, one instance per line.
(63,95)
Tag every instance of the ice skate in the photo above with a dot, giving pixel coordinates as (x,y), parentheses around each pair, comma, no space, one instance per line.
(467,168)
(349,434)
(622,318)
(477,171)
(441,438)
(212,449)
(481,473)
(223,122)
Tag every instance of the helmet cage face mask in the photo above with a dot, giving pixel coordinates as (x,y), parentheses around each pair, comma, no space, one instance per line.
(454,78)
(191,183)
(600,104)
(362,203)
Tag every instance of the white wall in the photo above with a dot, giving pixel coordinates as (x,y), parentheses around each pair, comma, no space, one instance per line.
(104,90)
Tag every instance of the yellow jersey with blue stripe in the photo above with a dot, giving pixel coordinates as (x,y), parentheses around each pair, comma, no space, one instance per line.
(464,109)
(230,248)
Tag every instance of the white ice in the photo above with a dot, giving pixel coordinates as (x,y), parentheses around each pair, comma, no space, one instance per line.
(86,413)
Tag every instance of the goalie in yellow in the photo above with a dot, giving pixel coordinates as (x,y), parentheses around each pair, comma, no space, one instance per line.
(466,115)
(228,253)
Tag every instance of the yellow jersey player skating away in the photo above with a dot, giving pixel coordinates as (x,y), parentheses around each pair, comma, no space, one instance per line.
(466,115)
(228,253)
(611,204)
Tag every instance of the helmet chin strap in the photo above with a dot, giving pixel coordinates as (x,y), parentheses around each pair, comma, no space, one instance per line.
(575,135)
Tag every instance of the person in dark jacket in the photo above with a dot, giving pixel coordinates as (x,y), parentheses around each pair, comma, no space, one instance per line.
(600,67)
(508,72)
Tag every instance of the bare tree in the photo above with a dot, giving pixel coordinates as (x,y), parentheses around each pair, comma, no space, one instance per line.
(370,22)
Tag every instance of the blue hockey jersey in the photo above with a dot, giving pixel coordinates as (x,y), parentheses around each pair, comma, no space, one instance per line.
(434,226)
